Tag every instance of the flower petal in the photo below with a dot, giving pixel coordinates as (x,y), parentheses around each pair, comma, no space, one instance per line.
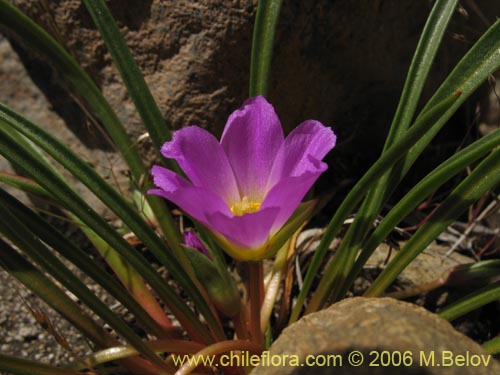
(249,231)
(309,141)
(193,241)
(251,140)
(197,202)
(289,192)
(204,162)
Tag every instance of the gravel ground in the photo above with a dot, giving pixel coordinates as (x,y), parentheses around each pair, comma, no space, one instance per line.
(22,336)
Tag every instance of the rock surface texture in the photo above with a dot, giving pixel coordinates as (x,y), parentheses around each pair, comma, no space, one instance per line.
(340,62)
(381,331)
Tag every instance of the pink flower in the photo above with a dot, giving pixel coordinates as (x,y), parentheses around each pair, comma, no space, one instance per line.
(247,186)
(193,241)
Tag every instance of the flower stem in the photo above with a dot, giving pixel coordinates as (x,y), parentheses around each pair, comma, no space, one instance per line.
(239,323)
(255,288)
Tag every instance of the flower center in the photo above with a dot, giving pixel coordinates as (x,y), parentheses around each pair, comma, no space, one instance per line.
(244,207)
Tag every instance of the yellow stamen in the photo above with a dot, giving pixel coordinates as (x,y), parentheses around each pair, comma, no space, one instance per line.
(245,207)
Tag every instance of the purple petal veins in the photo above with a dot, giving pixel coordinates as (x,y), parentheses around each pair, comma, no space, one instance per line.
(251,140)
(194,242)
(203,160)
(248,185)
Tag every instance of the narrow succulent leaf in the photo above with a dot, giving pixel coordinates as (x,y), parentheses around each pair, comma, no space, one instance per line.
(24,184)
(122,269)
(481,60)
(32,35)
(339,268)
(264,30)
(444,172)
(124,351)
(492,346)
(143,206)
(134,283)
(18,366)
(151,115)
(222,291)
(472,302)
(484,177)
(423,58)
(80,258)
(37,39)
(473,70)
(38,283)
(73,202)
(422,61)
(28,146)
(465,274)
(114,201)
(387,160)
(13,229)
(88,176)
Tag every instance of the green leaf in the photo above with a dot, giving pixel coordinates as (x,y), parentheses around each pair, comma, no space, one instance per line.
(38,283)
(484,177)
(444,172)
(78,257)
(264,30)
(387,160)
(87,175)
(74,203)
(465,274)
(481,60)
(19,366)
(13,229)
(492,346)
(472,302)
(124,351)
(38,40)
(135,285)
(423,58)
(137,88)
(473,69)
(24,184)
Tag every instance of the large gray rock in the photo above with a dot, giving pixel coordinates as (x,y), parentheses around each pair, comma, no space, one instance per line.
(375,334)
(341,62)
(194,55)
